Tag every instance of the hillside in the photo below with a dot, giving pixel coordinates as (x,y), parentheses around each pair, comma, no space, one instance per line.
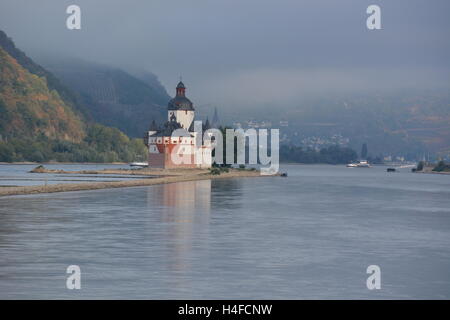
(69,97)
(114,97)
(30,108)
(40,122)
(99,93)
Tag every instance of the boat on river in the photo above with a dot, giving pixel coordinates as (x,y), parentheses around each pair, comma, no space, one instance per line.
(139,164)
(359,164)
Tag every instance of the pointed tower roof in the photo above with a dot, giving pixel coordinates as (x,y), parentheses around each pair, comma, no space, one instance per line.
(181,85)
(153,126)
(215,121)
(206,126)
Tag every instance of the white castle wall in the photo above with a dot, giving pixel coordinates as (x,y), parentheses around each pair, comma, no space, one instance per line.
(184,117)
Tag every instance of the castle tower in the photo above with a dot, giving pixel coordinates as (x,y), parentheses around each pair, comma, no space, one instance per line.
(169,148)
(181,107)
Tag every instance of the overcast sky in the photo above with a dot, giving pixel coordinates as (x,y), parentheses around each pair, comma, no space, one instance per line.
(239,53)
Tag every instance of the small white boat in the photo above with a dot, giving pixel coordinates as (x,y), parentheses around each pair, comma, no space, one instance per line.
(139,164)
(359,164)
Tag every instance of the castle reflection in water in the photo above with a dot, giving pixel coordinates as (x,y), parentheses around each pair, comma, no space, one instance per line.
(185,210)
(183,201)
(181,207)
(193,201)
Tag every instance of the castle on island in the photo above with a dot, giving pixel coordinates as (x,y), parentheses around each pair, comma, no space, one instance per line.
(176,143)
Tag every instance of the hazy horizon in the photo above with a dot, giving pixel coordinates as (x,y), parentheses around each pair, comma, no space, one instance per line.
(244,54)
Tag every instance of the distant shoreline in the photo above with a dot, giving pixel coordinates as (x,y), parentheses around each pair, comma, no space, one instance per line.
(163,177)
(429,169)
(433,172)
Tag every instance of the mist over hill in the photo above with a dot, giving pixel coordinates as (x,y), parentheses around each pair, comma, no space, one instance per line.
(43,120)
(32,101)
(68,96)
(408,123)
(113,97)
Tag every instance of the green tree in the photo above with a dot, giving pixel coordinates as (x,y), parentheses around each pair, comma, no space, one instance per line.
(6,152)
(442,167)
(420,166)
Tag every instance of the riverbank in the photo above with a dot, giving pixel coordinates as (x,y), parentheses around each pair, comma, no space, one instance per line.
(155,177)
(429,170)
(64,163)
(433,172)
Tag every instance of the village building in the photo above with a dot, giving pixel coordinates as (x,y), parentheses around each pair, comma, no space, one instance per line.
(175,144)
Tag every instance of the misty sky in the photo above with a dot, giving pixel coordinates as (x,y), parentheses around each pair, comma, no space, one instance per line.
(240,53)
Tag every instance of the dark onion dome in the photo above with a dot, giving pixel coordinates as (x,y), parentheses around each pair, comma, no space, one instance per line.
(180,102)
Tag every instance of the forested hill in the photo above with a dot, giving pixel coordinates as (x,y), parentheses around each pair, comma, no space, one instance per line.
(29,108)
(38,122)
(114,97)
(68,96)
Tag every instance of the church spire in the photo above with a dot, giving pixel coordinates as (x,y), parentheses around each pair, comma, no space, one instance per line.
(207,125)
(215,121)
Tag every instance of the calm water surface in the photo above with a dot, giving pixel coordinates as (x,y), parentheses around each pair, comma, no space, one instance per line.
(17,175)
(311,235)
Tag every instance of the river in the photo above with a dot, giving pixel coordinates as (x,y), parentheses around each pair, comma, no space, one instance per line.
(310,235)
